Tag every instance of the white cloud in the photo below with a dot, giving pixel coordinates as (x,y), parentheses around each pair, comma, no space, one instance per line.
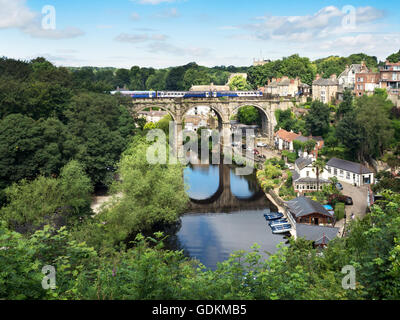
(16,14)
(138,38)
(324,23)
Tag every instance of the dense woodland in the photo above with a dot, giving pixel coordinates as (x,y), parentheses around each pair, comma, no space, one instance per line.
(62,135)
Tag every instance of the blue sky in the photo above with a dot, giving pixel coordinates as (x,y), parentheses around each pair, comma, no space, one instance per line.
(162,33)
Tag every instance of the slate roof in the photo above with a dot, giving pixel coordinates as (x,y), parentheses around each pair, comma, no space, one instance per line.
(308,179)
(301,163)
(295,175)
(357,69)
(348,166)
(303,206)
(325,82)
(318,234)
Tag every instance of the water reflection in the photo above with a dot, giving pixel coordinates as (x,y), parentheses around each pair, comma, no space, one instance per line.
(225,215)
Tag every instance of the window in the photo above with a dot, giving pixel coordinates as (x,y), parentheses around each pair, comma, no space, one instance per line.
(335,172)
(348,175)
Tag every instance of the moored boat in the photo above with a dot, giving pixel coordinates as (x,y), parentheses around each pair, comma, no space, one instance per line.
(273,216)
(277,222)
(282,228)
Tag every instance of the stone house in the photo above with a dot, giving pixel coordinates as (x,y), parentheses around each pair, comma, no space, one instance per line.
(348,172)
(210,88)
(285,87)
(326,90)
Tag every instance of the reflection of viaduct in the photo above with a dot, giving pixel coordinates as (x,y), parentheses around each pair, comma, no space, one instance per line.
(225,108)
(223,200)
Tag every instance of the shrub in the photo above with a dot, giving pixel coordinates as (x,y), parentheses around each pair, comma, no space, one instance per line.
(339,211)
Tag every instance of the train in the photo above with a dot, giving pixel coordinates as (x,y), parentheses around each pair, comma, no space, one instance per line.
(188,94)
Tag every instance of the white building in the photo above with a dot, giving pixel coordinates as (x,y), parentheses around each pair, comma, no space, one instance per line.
(305,176)
(347,78)
(348,172)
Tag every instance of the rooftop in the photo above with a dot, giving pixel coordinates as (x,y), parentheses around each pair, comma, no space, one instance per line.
(348,166)
(303,206)
(325,82)
(318,234)
(286,135)
(301,163)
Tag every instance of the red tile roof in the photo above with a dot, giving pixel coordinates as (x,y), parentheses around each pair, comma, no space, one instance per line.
(286,135)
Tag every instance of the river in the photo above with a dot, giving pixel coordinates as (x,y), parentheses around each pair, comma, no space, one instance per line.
(226,214)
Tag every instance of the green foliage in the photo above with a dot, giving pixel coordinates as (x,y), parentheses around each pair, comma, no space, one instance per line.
(293,66)
(318,119)
(249,115)
(339,211)
(347,105)
(147,195)
(32,203)
(291,156)
(239,83)
(394,58)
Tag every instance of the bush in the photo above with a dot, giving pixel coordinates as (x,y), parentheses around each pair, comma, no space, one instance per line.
(339,211)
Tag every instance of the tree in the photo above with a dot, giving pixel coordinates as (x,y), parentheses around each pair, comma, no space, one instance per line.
(30,204)
(318,119)
(347,104)
(349,133)
(151,195)
(239,83)
(319,166)
(309,145)
(394,58)
(378,133)
(249,115)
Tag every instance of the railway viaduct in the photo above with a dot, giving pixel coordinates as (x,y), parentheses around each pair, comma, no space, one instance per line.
(224,108)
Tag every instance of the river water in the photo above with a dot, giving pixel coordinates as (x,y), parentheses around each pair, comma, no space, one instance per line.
(226,215)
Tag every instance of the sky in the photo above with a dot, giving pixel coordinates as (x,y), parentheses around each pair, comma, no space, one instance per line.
(164,33)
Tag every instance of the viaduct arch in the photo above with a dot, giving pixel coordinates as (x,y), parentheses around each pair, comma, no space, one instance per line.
(223,107)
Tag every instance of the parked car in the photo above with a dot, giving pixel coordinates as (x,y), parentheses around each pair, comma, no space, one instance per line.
(261,145)
(256,152)
(339,186)
(244,147)
(348,201)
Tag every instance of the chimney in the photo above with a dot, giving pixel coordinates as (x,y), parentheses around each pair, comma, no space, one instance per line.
(333,77)
(317,76)
(291,81)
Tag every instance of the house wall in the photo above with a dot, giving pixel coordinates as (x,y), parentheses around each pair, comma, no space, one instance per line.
(346,176)
(311,219)
(324,93)
(366,83)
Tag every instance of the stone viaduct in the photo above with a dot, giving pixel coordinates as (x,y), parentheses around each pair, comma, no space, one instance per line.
(224,108)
